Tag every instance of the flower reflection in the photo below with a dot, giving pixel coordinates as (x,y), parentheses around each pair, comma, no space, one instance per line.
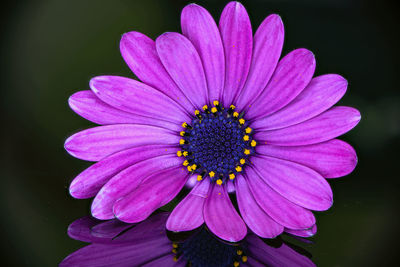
(114,243)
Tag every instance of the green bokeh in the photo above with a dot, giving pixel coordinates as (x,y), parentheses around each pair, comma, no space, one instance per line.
(50,49)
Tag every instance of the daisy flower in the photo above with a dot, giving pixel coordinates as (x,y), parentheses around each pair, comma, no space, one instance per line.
(113,243)
(217,111)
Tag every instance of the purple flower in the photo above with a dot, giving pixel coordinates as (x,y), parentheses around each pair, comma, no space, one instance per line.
(218,112)
(147,244)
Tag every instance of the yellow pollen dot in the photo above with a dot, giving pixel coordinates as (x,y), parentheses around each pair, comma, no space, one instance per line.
(238,168)
(246,138)
(244,258)
(253,143)
(189,168)
(232,107)
(174,251)
(194,167)
(185,153)
(241,121)
(199,177)
(214,110)
(196,112)
(235,114)
(179,153)
(205,107)
(174,245)
(216,102)
(236,264)
(182,133)
(232,176)
(181,141)
(219,182)
(175,258)
(185,163)
(239,252)
(211,173)
(242,161)
(184,125)
(246,152)
(248,130)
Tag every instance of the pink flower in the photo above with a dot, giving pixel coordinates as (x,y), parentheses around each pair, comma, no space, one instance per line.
(216,110)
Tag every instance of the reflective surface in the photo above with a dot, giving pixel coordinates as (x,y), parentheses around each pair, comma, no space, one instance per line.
(50,49)
(148,244)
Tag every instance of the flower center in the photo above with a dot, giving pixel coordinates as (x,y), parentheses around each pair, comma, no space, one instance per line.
(217,143)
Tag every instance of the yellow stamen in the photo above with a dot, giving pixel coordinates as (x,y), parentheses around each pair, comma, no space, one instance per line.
(182,133)
(211,173)
(241,121)
(185,163)
(216,102)
(248,130)
(239,252)
(247,152)
(174,245)
(219,182)
(238,168)
(175,258)
(236,264)
(185,153)
(205,107)
(196,112)
(182,142)
(199,177)
(242,161)
(189,168)
(194,167)
(253,143)
(244,258)
(179,153)
(184,125)
(174,251)
(232,176)
(246,138)
(214,110)
(232,107)
(235,114)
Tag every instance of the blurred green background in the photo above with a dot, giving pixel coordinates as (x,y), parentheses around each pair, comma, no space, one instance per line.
(50,49)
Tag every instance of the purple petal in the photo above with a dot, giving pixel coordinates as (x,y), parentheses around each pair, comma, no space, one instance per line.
(331,159)
(139,52)
(221,217)
(188,214)
(80,229)
(109,229)
(127,181)
(154,192)
(292,75)
(97,143)
(321,94)
(297,183)
(166,261)
(254,216)
(277,207)
(88,183)
(303,233)
(237,37)
(183,64)
(267,48)
(200,28)
(138,98)
(326,126)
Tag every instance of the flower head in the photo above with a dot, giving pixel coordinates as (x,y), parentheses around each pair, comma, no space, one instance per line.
(217,111)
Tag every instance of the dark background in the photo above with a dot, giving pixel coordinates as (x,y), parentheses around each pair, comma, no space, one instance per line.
(50,49)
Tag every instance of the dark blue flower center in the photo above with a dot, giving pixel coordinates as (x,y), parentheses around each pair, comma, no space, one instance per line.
(217,143)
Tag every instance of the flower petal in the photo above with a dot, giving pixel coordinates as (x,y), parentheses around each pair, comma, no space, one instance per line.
(99,142)
(88,183)
(140,53)
(267,48)
(166,261)
(276,206)
(155,191)
(138,98)
(237,37)
(292,75)
(183,64)
(80,229)
(127,181)
(331,159)
(303,233)
(200,28)
(321,94)
(221,217)
(297,183)
(188,214)
(326,126)
(253,215)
